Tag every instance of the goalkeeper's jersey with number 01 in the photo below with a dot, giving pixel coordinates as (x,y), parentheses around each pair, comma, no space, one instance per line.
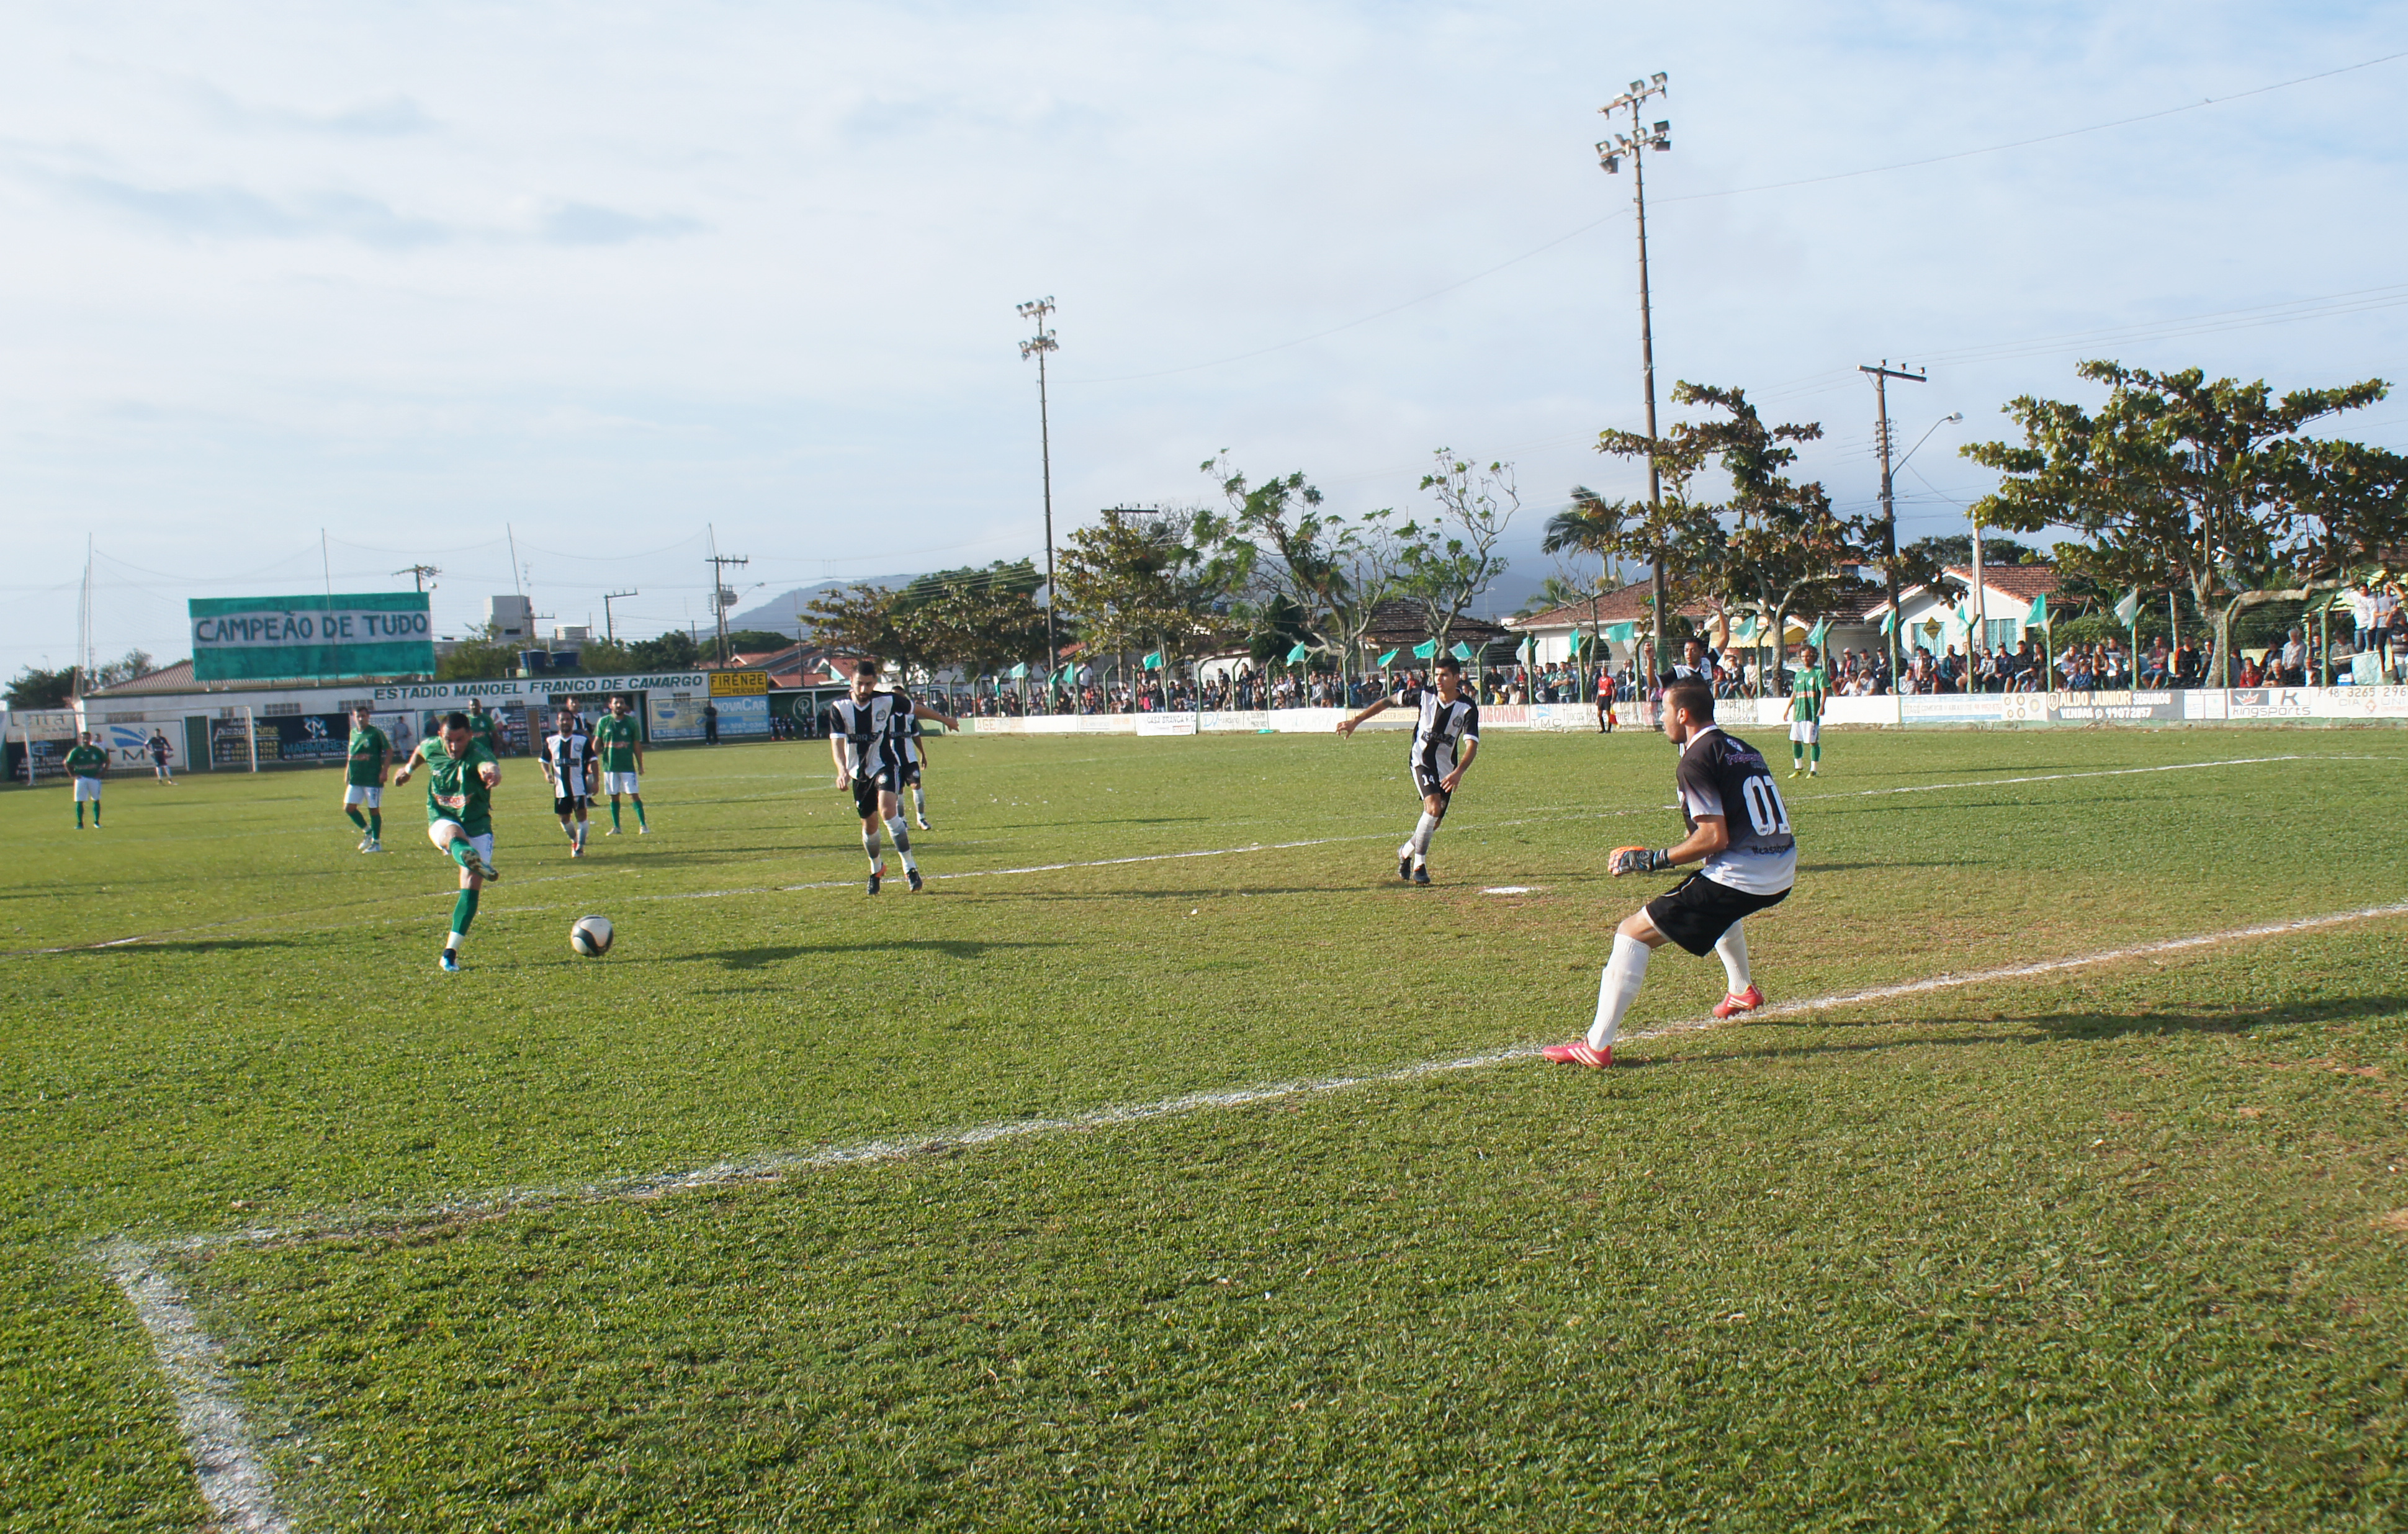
(455,788)
(1722,775)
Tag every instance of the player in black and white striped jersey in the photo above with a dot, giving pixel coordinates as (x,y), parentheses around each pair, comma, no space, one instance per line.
(1446,737)
(862,737)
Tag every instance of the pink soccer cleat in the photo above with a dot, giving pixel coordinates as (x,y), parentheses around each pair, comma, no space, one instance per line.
(1743,1001)
(1579,1054)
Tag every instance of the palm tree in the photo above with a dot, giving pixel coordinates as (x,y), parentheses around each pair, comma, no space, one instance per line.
(1591,525)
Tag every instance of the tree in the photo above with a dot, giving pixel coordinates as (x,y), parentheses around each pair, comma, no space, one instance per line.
(34,688)
(1449,559)
(675,651)
(1591,525)
(865,621)
(133,664)
(1957,549)
(754,641)
(1315,577)
(1679,538)
(979,621)
(1160,581)
(2177,479)
(483,656)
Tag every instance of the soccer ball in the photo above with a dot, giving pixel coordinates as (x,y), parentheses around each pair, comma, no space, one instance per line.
(591,935)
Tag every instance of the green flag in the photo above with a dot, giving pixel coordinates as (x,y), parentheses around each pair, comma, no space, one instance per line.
(1300,651)
(1621,632)
(1461,652)
(1154,661)
(1384,659)
(1822,631)
(1019,672)
(1889,621)
(1425,650)
(2130,608)
(2038,617)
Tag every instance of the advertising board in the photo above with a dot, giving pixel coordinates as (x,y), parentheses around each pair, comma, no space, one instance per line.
(363,633)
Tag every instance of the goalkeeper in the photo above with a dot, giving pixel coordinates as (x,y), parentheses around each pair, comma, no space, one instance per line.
(1738,825)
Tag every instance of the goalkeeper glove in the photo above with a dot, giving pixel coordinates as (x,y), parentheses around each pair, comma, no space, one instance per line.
(1638,860)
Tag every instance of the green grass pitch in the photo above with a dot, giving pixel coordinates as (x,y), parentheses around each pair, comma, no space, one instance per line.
(2118,1247)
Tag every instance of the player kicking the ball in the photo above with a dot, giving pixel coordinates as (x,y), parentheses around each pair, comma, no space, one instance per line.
(619,745)
(863,741)
(461,776)
(1738,825)
(1807,692)
(1447,716)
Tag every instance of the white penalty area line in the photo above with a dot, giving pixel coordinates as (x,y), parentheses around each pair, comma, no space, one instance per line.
(234,1478)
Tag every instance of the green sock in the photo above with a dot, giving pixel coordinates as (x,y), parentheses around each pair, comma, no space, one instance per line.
(79,814)
(1797,752)
(461,851)
(357,819)
(464,910)
(376,824)
(1819,753)
(640,812)
(614,811)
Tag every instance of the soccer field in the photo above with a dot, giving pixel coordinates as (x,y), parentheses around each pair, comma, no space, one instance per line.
(1168,1164)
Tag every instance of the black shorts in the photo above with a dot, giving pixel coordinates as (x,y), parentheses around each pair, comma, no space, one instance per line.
(866,789)
(1426,782)
(910,772)
(569,804)
(1699,911)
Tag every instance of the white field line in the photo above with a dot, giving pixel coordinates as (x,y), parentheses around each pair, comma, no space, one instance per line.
(225,1461)
(236,1483)
(1174,857)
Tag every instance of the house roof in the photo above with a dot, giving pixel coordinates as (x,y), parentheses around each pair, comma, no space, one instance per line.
(167,679)
(1614,607)
(2021,581)
(1394,621)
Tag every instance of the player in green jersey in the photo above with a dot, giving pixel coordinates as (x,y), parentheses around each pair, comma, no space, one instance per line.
(1807,694)
(86,761)
(619,745)
(461,776)
(363,778)
(486,727)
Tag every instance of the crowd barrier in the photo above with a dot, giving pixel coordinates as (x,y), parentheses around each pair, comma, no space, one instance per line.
(2238,705)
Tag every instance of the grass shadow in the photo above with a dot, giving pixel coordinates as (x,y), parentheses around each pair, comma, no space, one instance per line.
(763,955)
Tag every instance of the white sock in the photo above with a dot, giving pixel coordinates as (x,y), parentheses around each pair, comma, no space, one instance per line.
(869,845)
(902,841)
(1617,989)
(452,941)
(1732,950)
(580,833)
(920,801)
(1420,841)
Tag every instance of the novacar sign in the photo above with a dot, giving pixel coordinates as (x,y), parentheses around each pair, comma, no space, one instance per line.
(237,638)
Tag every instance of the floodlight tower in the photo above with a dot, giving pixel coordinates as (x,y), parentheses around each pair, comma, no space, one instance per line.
(1611,153)
(1036,310)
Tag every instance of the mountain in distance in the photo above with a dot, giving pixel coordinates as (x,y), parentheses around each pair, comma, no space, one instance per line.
(778,614)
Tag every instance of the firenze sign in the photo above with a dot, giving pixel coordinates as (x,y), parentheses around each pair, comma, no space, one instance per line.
(259,638)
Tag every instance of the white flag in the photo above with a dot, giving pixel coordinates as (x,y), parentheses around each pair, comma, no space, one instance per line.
(2130,608)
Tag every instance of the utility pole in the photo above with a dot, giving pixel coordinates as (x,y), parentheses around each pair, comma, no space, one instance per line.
(1881,377)
(722,595)
(609,630)
(421,574)
(1610,154)
(1036,310)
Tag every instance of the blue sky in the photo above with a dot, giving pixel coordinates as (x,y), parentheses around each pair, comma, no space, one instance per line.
(608,273)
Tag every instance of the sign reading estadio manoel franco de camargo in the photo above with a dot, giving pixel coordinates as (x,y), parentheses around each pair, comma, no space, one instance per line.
(257,638)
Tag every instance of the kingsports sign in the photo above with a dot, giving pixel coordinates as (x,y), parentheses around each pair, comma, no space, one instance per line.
(257,638)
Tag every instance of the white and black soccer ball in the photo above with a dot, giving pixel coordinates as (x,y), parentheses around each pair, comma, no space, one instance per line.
(591,935)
